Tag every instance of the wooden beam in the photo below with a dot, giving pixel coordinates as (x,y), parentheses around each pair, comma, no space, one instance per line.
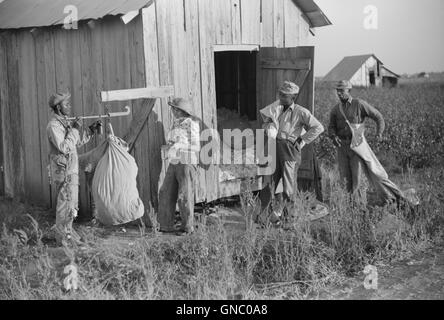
(235,47)
(138,123)
(300,64)
(139,93)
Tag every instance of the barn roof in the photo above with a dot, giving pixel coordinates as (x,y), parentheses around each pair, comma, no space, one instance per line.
(348,66)
(388,73)
(16,14)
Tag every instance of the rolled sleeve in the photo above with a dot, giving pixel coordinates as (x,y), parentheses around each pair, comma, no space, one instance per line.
(64,144)
(313,126)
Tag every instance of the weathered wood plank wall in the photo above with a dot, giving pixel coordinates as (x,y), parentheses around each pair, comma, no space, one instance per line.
(171,43)
(11,117)
(83,62)
(152,134)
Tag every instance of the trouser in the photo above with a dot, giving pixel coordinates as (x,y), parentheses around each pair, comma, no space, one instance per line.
(350,166)
(178,186)
(377,176)
(287,166)
(89,178)
(66,208)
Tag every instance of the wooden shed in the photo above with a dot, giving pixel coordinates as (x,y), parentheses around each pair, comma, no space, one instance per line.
(389,78)
(159,47)
(363,71)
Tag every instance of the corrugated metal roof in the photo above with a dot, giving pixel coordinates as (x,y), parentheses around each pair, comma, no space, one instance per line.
(314,14)
(16,14)
(348,66)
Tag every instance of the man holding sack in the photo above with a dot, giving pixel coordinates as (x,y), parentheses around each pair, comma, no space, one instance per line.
(346,129)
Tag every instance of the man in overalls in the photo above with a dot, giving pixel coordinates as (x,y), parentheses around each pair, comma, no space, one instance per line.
(64,138)
(285,120)
(183,156)
(356,110)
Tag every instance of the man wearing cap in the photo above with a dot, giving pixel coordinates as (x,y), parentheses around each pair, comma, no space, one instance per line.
(64,138)
(284,121)
(356,110)
(183,156)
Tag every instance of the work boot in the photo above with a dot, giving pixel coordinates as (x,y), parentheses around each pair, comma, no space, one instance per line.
(187,228)
(275,217)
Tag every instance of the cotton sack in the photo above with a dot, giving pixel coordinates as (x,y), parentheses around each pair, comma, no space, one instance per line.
(114,185)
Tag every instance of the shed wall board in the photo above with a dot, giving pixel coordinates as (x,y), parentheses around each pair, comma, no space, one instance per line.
(293,21)
(278,24)
(304,30)
(236,21)
(82,61)
(30,118)
(221,20)
(207,36)
(250,19)
(267,26)
(152,133)
(45,72)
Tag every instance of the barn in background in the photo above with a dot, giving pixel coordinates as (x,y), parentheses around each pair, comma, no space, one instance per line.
(161,47)
(363,71)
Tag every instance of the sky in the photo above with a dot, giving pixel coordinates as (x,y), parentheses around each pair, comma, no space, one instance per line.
(409,37)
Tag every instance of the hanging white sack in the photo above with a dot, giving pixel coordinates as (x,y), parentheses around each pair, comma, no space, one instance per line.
(114,185)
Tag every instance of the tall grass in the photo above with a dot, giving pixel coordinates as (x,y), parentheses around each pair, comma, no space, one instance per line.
(215,263)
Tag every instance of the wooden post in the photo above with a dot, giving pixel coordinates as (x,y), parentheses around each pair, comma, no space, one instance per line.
(139,93)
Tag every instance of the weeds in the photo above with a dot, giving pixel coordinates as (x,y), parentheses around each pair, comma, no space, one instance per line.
(217,264)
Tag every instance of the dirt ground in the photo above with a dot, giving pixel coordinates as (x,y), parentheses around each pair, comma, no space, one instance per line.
(418,278)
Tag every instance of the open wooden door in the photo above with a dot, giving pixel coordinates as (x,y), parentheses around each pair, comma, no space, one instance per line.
(276,65)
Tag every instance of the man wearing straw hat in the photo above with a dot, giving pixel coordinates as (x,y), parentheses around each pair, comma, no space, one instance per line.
(286,121)
(183,156)
(64,138)
(356,110)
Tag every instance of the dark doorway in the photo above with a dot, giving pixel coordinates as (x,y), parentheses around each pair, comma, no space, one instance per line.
(372,78)
(236,82)
(389,82)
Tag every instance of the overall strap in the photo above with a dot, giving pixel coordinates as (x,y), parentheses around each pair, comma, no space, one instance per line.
(343,114)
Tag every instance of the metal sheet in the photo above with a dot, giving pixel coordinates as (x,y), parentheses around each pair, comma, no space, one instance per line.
(16,14)
(316,17)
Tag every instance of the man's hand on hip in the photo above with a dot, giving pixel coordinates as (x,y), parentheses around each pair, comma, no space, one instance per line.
(299,144)
(336,141)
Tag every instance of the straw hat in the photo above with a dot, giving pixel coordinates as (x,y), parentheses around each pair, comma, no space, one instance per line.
(289,87)
(57,98)
(182,104)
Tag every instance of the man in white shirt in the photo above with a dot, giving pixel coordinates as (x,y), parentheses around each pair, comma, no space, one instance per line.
(284,121)
(183,155)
